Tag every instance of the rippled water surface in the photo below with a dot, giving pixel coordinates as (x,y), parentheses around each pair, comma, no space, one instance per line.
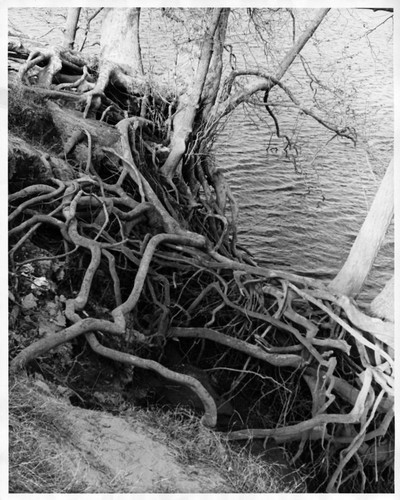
(306,221)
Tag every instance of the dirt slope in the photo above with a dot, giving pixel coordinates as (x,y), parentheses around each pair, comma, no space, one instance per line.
(109,454)
(108,449)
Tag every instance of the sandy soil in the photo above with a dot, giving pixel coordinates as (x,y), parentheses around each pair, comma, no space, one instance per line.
(106,450)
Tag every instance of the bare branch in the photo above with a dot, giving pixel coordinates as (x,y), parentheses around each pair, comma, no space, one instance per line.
(240,97)
(269,81)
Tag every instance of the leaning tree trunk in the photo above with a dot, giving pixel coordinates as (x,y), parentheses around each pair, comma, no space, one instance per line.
(70,27)
(355,270)
(383,304)
(188,103)
(213,81)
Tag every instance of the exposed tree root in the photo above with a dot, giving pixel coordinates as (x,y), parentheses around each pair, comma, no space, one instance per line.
(146,263)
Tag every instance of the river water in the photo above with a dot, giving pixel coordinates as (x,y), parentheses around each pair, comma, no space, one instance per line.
(301,221)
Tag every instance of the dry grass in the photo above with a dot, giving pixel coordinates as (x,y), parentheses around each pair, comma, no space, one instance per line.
(196,444)
(39,438)
(36,462)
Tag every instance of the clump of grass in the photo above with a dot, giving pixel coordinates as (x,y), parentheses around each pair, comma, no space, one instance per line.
(36,462)
(193,443)
(29,118)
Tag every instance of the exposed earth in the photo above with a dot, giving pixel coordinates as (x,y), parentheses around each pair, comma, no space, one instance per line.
(104,450)
(98,452)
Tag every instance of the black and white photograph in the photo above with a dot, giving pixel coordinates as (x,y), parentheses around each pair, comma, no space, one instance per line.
(201,248)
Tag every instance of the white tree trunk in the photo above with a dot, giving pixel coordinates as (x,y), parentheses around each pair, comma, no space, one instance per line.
(355,270)
(383,304)
(71,26)
(120,39)
(188,103)
(213,81)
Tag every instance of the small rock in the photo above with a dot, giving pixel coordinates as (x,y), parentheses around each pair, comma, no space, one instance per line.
(43,386)
(29,302)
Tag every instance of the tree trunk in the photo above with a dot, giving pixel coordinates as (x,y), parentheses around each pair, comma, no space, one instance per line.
(120,53)
(71,27)
(355,270)
(188,103)
(213,80)
(383,304)
(120,39)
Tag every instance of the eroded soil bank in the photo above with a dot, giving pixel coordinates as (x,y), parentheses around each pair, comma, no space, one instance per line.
(59,448)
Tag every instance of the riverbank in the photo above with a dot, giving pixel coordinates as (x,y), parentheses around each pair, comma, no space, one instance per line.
(129,289)
(58,448)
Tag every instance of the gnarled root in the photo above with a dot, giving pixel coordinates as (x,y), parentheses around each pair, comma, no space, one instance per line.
(146,266)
